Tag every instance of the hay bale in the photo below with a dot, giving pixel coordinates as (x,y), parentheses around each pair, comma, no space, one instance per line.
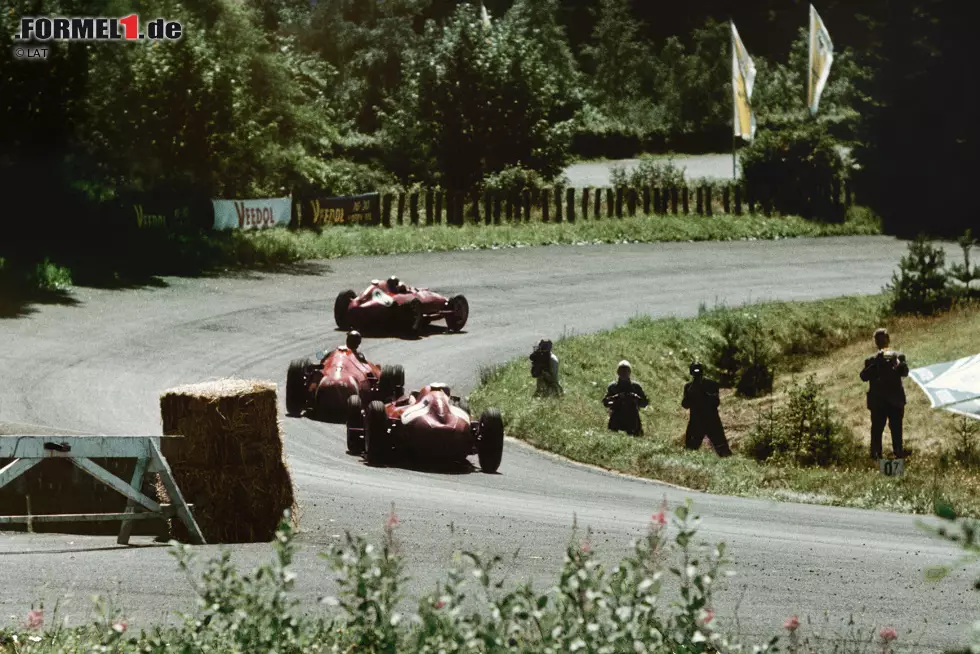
(230,461)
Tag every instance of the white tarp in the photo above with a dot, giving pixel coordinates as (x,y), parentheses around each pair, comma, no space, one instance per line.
(952,385)
(252,214)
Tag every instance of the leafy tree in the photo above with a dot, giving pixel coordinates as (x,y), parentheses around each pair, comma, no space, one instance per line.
(618,57)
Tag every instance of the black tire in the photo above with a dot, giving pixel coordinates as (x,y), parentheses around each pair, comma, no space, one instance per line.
(295,388)
(376,441)
(490,448)
(392,378)
(340,306)
(460,313)
(355,443)
(412,319)
(323,410)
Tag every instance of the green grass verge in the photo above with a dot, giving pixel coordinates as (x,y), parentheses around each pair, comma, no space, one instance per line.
(827,337)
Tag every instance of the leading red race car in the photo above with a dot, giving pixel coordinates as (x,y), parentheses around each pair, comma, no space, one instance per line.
(430,423)
(391,305)
(324,386)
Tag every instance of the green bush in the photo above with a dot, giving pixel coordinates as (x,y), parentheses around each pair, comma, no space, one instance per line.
(920,286)
(744,353)
(514,180)
(804,431)
(965,281)
(793,170)
(650,172)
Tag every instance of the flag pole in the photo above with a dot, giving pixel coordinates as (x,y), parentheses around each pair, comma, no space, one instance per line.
(731,39)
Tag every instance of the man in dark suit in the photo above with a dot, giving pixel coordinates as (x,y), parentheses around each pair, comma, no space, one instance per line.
(886,394)
(624,398)
(702,397)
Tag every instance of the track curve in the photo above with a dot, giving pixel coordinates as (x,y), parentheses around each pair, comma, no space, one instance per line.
(98,367)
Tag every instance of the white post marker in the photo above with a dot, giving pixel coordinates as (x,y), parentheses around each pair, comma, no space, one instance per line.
(891,467)
(28,451)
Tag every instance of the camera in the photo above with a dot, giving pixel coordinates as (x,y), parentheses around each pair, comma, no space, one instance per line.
(539,361)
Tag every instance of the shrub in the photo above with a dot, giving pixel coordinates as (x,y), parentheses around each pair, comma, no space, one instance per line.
(514,180)
(966,282)
(743,354)
(920,285)
(650,172)
(804,431)
(792,170)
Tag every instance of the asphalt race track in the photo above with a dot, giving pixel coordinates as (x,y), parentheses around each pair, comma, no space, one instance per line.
(98,367)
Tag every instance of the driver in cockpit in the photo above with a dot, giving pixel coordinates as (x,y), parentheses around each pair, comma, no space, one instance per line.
(395,285)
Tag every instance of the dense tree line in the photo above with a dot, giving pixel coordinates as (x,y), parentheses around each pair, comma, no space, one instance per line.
(269,96)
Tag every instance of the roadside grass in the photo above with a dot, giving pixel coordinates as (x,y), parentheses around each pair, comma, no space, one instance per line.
(161,253)
(828,338)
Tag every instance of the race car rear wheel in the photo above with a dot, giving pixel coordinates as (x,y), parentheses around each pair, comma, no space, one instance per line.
(412,317)
(376,441)
(460,313)
(340,306)
(295,391)
(490,447)
(392,378)
(355,423)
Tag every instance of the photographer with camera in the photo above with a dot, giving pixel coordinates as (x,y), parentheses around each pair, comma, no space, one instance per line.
(886,394)
(624,399)
(702,397)
(544,367)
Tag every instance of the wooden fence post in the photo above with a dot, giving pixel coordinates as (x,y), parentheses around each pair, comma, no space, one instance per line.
(700,192)
(559,213)
(545,206)
(401,208)
(414,208)
(750,196)
(476,207)
(598,204)
(386,210)
(674,209)
(708,209)
(437,218)
(631,201)
(619,201)
(738,199)
(570,209)
(526,197)
(585,203)
(646,200)
(726,200)
(497,200)
(686,193)
(428,206)
(487,209)
(509,215)
(610,205)
(656,199)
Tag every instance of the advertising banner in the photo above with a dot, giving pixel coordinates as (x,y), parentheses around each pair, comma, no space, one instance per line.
(952,385)
(346,210)
(252,214)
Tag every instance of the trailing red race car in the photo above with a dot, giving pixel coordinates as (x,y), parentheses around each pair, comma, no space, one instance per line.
(391,305)
(429,422)
(324,386)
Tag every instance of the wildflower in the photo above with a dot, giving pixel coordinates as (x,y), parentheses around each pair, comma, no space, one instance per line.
(586,547)
(660,517)
(35,619)
(888,634)
(708,616)
(439,604)
(119,626)
(792,623)
(392,521)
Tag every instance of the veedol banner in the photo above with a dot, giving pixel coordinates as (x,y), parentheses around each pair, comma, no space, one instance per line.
(252,214)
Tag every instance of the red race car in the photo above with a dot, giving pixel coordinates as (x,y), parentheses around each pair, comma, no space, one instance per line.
(429,422)
(324,386)
(392,305)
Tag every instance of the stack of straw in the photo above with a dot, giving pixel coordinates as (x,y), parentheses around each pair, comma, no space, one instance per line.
(229,463)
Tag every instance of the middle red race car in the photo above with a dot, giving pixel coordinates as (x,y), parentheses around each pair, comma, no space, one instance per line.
(393,306)
(324,386)
(428,423)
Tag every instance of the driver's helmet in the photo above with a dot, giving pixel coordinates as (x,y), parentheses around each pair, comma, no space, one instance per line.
(393,283)
(353,340)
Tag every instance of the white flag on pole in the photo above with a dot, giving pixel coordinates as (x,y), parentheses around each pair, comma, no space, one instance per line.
(743,79)
(821,57)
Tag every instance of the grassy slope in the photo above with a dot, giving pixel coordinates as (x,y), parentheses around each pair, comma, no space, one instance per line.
(660,350)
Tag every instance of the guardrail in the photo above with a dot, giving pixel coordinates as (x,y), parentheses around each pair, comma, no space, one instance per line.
(29,450)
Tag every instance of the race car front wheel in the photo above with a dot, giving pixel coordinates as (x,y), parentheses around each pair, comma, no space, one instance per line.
(295,393)
(355,424)
(392,378)
(376,443)
(340,307)
(460,309)
(490,447)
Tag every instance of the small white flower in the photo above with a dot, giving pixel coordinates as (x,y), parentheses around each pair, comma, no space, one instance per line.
(691,571)
(698,637)
(330,601)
